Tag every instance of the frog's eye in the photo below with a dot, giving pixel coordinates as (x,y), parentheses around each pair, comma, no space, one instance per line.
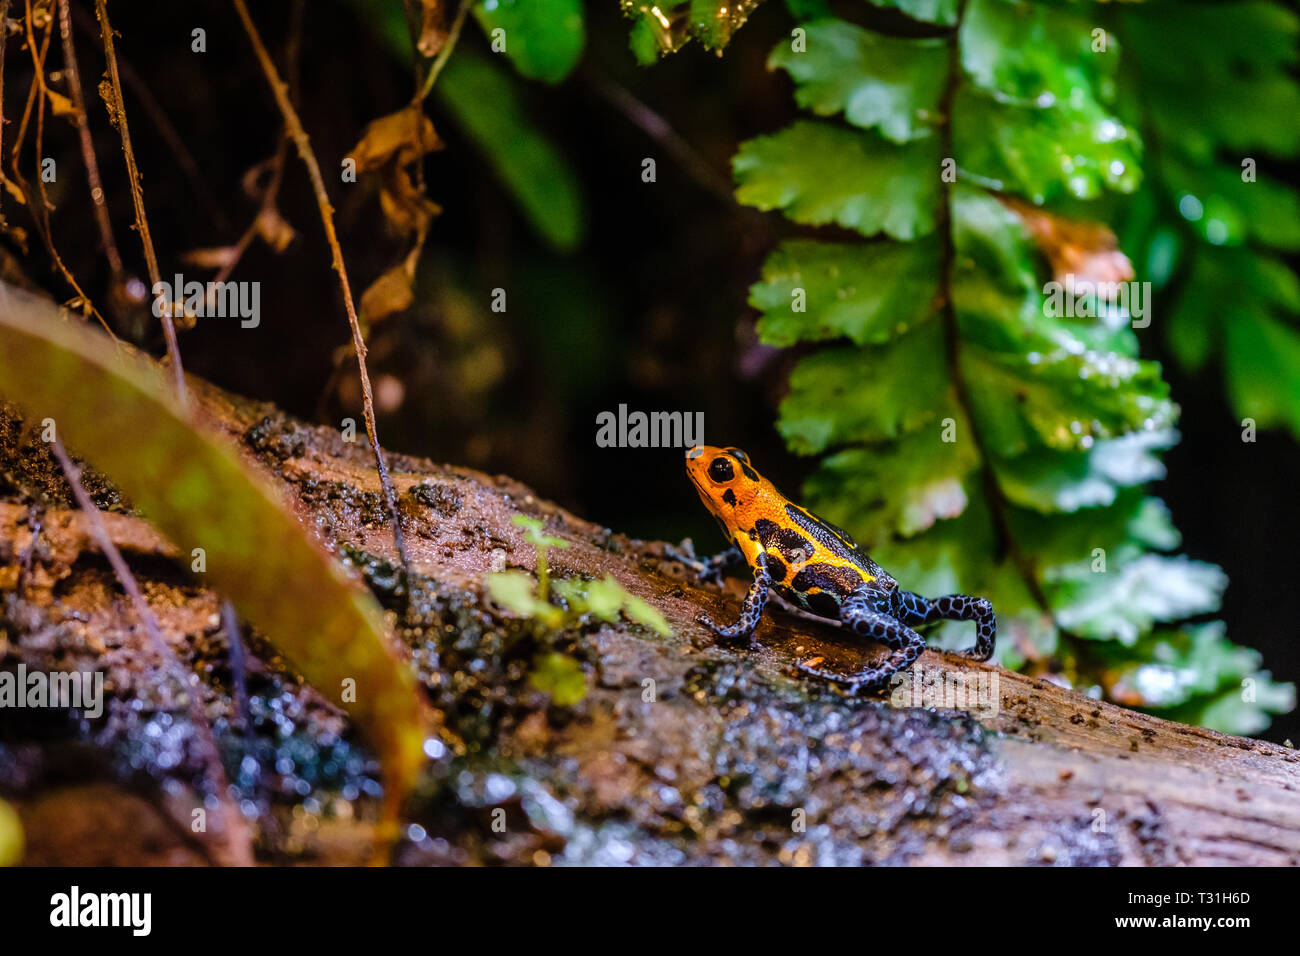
(720,471)
(737,453)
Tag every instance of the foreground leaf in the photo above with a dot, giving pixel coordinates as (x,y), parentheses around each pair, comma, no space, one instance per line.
(112,409)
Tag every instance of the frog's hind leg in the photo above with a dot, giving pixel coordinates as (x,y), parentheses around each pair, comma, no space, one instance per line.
(751,611)
(860,612)
(913,609)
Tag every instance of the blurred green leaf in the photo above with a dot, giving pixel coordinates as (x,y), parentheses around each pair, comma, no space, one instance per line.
(1239,710)
(1043,153)
(1167,668)
(1036,54)
(1065,481)
(543,38)
(11,835)
(943,12)
(1123,602)
(485,103)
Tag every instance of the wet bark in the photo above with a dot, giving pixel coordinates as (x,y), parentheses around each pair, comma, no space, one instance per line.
(682,749)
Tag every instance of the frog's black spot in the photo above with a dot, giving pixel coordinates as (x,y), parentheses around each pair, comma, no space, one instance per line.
(822,603)
(833,538)
(793,546)
(753,535)
(829,577)
(741,457)
(729,497)
(776,567)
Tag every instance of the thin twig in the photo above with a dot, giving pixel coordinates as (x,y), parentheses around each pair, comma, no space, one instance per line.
(87,145)
(37,98)
(453,35)
(236,832)
(271,194)
(281,93)
(4,38)
(85,22)
(238,671)
(661,131)
(137,198)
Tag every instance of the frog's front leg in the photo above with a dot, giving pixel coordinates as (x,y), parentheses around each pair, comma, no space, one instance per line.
(750,611)
(864,612)
(913,609)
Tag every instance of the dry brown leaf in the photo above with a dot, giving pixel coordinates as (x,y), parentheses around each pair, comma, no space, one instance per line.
(433,28)
(60,105)
(408,210)
(211,257)
(392,292)
(1087,250)
(274,229)
(400,137)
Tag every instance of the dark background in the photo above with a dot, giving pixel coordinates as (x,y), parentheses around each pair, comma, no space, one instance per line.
(650,310)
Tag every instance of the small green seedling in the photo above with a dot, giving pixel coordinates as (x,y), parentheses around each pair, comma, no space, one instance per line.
(560,676)
(605,599)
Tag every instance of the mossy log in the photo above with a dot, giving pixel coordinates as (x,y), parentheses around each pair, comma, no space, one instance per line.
(683,750)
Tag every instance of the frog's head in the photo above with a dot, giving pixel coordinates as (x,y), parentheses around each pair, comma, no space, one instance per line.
(728,485)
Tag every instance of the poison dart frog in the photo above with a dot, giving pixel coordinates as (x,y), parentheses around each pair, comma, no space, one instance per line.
(818,567)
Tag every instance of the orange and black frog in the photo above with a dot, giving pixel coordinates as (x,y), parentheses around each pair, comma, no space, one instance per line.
(818,567)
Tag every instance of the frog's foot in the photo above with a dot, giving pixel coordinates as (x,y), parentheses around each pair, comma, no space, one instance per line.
(859,613)
(742,630)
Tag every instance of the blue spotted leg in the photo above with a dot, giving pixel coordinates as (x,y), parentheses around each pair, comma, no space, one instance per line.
(862,613)
(914,610)
(750,611)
